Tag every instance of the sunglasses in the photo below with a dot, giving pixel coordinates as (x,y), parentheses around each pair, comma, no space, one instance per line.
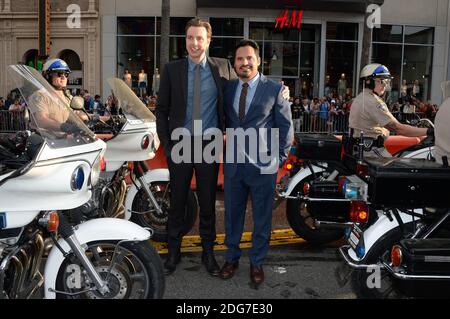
(60,74)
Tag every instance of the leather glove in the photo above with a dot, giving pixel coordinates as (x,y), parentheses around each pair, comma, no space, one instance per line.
(430,132)
(69,128)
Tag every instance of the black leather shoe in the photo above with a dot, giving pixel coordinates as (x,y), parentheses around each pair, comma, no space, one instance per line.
(210,262)
(228,270)
(173,258)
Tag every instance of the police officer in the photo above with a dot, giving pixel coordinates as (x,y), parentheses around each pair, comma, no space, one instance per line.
(442,127)
(51,112)
(369,113)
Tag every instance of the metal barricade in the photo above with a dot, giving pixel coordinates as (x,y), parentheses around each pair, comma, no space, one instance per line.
(321,122)
(12,121)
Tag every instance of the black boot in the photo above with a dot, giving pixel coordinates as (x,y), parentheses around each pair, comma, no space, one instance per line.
(173,258)
(210,262)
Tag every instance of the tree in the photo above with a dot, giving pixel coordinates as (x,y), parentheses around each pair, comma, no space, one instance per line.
(367,38)
(165,31)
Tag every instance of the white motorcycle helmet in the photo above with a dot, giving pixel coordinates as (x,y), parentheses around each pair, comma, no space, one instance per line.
(54,65)
(374,71)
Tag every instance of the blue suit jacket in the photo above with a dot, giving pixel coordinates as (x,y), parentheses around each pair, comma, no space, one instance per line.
(267,110)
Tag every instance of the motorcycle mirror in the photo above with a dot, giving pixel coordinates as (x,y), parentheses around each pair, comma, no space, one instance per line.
(77,103)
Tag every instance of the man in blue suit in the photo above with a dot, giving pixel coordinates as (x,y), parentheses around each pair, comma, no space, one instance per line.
(259,136)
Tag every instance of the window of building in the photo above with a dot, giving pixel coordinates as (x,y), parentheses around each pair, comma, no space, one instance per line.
(139,41)
(290,55)
(227,32)
(341,59)
(408,53)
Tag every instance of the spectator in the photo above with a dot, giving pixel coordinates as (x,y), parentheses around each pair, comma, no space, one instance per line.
(98,107)
(88,101)
(16,106)
(2,104)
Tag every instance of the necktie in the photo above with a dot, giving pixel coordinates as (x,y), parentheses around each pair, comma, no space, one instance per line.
(242,100)
(196,101)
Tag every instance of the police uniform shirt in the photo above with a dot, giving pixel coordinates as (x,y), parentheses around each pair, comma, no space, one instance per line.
(442,132)
(42,102)
(370,114)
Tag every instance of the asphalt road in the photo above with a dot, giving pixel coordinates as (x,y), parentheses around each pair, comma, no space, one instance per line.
(295,271)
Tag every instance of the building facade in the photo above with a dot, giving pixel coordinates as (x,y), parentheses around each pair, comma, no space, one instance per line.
(75,40)
(323,56)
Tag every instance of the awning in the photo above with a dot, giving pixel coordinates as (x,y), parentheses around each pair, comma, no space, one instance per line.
(354,6)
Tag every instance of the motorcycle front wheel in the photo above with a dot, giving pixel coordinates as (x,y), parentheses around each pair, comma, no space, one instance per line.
(135,272)
(149,217)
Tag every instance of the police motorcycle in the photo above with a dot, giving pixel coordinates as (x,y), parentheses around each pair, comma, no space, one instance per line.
(407,201)
(43,173)
(315,207)
(405,247)
(131,139)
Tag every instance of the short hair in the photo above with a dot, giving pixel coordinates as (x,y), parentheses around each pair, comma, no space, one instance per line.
(247,42)
(197,22)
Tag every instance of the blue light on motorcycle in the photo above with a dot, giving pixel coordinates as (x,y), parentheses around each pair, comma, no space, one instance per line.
(360,251)
(294,150)
(77,180)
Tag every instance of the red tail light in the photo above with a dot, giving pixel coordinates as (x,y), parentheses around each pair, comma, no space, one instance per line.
(306,187)
(396,256)
(359,212)
(102,164)
(362,170)
(145,142)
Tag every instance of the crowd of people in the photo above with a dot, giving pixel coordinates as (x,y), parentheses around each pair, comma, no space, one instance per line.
(330,113)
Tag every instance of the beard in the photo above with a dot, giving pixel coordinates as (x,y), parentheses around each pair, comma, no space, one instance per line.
(245,73)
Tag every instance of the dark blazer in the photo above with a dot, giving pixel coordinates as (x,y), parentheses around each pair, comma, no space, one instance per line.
(172,99)
(267,110)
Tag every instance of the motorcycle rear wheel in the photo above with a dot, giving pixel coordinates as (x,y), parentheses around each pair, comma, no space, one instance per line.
(302,223)
(137,272)
(157,222)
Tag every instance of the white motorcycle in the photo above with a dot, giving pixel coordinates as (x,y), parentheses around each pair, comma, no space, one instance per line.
(44,172)
(131,139)
(322,220)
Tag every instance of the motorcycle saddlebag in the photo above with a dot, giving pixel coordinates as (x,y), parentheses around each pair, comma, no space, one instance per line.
(408,183)
(429,257)
(329,211)
(318,147)
(426,256)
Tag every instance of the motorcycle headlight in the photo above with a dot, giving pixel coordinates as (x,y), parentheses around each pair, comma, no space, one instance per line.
(95,172)
(77,179)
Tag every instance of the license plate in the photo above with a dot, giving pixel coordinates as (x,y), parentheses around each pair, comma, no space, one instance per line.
(355,235)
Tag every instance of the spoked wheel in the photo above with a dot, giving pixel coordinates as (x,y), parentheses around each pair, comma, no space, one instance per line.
(132,270)
(148,216)
(304,224)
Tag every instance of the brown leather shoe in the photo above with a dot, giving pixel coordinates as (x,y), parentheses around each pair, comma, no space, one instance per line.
(256,274)
(228,270)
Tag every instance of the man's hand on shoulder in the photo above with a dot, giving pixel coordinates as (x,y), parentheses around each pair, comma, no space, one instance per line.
(285,92)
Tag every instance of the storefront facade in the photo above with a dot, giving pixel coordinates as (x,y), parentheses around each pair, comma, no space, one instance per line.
(322,56)
(79,44)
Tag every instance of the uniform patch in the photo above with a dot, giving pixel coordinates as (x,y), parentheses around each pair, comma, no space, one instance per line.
(381,107)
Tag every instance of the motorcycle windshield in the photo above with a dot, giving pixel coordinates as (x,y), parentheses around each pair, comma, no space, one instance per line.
(50,115)
(127,101)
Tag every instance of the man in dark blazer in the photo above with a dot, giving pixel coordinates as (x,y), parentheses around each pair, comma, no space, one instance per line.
(253,104)
(176,108)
